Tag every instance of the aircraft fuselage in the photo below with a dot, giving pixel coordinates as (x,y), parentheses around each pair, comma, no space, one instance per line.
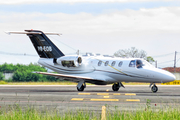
(111,70)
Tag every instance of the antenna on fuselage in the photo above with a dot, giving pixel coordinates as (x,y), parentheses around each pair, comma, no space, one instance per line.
(77,52)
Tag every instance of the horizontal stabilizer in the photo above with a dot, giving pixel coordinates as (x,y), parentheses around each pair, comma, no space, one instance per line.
(16,32)
(43,45)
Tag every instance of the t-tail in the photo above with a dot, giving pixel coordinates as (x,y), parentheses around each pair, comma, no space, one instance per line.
(43,45)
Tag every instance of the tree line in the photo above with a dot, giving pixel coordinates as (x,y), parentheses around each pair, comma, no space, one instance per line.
(23,73)
(133,53)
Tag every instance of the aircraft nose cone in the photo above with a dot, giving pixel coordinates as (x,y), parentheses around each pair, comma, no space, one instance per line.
(169,77)
(172,77)
(165,76)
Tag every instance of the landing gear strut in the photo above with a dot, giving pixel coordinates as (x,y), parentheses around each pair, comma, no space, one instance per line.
(154,88)
(81,85)
(116,86)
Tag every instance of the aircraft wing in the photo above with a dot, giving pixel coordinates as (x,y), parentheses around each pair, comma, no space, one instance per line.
(74,77)
(62,75)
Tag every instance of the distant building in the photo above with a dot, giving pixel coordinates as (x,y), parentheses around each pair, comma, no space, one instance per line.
(176,73)
(8,75)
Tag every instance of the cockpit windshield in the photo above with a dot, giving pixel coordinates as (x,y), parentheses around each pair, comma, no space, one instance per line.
(139,63)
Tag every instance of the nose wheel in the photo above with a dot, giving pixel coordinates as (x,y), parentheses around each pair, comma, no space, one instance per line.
(154,88)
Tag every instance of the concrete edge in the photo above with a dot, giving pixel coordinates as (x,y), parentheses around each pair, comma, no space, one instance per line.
(86,85)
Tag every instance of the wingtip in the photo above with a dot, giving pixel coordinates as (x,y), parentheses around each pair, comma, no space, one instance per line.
(59,34)
(7,32)
(35,72)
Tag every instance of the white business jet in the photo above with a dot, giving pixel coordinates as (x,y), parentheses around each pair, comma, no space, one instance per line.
(94,69)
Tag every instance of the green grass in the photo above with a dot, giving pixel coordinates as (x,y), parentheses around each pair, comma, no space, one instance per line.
(170,114)
(3,82)
(15,112)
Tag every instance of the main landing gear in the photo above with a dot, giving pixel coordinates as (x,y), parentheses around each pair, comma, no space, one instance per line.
(81,85)
(116,86)
(154,88)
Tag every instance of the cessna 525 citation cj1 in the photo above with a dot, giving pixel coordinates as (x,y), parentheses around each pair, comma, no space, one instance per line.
(94,69)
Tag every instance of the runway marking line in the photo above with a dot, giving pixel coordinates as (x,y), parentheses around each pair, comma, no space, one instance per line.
(130,94)
(94,99)
(104,99)
(133,100)
(102,93)
(84,93)
(105,94)
(78,99)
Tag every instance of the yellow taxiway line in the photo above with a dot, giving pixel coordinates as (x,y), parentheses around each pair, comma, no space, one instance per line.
(102,93)
(105,94)
(116,94)
(130,94)
(104,99)
(94,99)
(78,99)
(133,100)
(84,93)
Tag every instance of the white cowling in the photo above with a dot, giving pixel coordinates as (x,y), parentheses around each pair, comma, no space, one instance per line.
(70,61)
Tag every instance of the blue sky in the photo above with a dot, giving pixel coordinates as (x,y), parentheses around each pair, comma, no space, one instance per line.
(94,8)
(93,26)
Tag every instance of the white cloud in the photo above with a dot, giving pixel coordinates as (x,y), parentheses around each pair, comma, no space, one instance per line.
(153,30)
(164,18)
(72,1)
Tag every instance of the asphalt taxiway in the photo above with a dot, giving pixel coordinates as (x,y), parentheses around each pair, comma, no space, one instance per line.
(67,98)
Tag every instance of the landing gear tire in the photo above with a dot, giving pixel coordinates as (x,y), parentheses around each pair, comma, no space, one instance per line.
(154,88)
(115,87)
(81,88)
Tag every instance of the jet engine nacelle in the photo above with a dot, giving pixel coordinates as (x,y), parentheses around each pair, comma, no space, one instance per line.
(69,61)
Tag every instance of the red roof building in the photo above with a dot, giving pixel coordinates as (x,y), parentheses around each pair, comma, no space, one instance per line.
(171,69)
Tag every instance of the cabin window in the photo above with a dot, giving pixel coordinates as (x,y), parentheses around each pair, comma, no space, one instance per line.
(113,63)
(106,63)
(120,63)
(99,63)
(132,63)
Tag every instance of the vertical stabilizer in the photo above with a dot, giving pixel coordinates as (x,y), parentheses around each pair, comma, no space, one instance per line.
(43,45)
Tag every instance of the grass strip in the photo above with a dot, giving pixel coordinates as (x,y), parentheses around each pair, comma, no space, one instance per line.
(17,113)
